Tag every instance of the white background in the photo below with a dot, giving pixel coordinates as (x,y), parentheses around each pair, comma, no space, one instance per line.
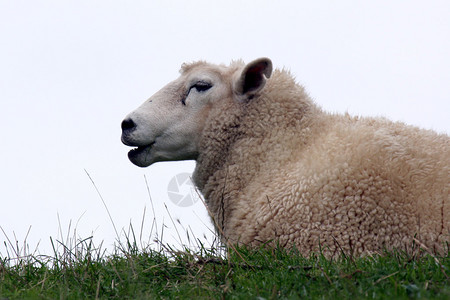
(71,70)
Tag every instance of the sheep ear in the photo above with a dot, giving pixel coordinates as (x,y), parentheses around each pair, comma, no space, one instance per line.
(253,77)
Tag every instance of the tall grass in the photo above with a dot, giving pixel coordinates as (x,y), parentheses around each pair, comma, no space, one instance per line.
(82,270)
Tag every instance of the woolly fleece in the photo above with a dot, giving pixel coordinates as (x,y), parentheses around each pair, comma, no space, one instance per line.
(277,169)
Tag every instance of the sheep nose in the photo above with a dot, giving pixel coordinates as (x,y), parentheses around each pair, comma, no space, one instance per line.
(128,125)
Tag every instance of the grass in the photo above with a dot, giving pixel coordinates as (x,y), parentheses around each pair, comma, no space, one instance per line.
(78,269)
(86,272)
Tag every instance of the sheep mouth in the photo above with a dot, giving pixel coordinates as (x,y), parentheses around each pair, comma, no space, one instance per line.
(140,149)
(140,155)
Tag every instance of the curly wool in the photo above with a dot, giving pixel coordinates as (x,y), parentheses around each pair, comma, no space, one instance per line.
(277,169)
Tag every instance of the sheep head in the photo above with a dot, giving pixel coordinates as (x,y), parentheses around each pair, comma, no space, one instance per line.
(168,126)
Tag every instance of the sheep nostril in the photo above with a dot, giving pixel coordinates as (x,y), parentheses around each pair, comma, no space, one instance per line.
(128,124)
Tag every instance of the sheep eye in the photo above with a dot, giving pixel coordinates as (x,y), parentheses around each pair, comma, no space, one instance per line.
(201,86)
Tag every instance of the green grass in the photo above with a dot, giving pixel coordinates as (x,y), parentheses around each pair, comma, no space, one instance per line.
(86,272)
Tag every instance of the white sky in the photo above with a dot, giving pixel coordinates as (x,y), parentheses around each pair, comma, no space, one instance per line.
(71,70)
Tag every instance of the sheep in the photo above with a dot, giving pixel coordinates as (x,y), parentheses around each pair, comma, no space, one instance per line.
(275,169)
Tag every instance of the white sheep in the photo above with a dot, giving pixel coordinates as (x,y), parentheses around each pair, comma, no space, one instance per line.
(274,168)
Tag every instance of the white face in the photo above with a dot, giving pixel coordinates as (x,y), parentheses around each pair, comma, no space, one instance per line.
(169,124)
